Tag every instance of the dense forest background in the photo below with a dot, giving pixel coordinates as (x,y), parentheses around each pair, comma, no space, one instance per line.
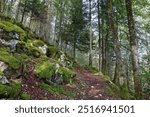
(111,36)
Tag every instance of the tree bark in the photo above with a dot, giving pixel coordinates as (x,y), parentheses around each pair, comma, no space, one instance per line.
(99,34)
(114,29)
(90,35)
(134,51)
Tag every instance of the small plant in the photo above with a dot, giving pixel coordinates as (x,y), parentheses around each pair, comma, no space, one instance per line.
(25,96)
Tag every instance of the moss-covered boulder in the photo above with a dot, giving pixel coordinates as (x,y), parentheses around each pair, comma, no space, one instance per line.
(67,75)
(14,67)
(55,72)
(45,70)
(10,60)
(10,91)
(10,27)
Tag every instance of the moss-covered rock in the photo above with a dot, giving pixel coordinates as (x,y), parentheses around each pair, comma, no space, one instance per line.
(48,70)
(10,92)
(38,43)
(45,70)
(7,58)
(10,27)
(5,91)
(53,52)
(67,75)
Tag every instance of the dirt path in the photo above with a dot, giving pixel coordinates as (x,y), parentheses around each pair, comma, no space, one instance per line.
(93,85)
(88,86)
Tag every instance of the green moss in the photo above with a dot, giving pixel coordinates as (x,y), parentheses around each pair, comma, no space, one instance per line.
(52,52)
(90,68)
(27,29)
(10,91)
(25,96)
(45,70)
(38,43)
(20,47)
(112,90)
(32,50)
(10,27)
(124,94)
(8,59)
(23,58)
(57,90)
(67,75)
(5,91)
(117,92)
(16,89)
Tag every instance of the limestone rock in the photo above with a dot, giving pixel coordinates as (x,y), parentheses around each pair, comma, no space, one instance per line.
(3,66)
(3,80)
(8,39)
(43,49)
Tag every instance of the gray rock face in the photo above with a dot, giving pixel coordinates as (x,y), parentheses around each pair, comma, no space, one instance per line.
(9,35)
(13,44)
(8,39)
(12,74)
(3,80)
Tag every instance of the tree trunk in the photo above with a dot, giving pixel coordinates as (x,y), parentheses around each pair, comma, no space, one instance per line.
(17,11)
(134,51)
(60,24)
(90,36)
(23,14)
(99,34)
(114,29)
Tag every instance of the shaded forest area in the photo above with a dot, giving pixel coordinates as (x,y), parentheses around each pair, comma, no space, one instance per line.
(97,49)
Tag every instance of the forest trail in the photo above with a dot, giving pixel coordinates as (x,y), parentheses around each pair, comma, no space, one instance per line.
(94,86)
(88,86)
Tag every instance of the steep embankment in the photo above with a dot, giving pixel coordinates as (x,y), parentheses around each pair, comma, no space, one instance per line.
(33,69)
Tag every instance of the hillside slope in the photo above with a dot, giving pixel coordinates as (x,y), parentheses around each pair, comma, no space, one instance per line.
(33,69)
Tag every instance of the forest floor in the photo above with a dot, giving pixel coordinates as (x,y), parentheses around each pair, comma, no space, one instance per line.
(87,86)
(93,87)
